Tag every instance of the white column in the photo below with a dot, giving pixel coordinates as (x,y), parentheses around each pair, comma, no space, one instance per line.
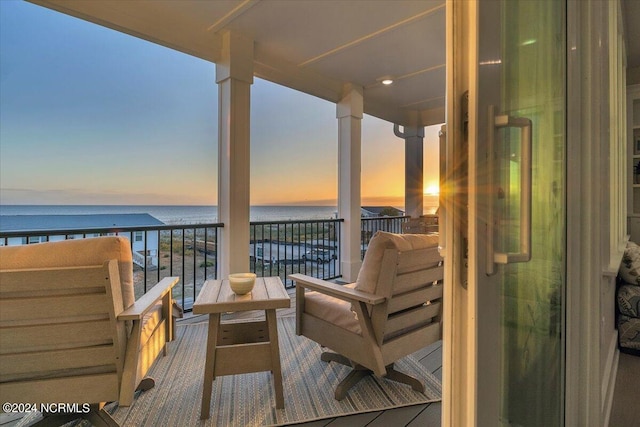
(349,113)
(413,169)
(234,76)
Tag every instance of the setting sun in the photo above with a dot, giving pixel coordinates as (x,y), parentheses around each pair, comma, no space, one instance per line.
(432,190)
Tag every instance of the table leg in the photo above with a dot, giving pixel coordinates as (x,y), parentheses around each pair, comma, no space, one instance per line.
(212,337)
(272,324)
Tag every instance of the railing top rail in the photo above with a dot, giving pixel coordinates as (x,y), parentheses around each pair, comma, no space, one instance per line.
(297,221)
(377,218)
(124,229)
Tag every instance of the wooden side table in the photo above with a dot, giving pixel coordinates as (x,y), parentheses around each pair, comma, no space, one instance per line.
(238,348)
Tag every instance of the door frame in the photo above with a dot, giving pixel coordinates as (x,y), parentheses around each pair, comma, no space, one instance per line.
(586,210)
(459,335)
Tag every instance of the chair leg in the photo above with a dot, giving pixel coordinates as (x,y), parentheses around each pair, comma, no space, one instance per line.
(147,383)
(97,416)
(100,418)
(349,381)
(328,356)
(359,372)
(401,377)
(55,420)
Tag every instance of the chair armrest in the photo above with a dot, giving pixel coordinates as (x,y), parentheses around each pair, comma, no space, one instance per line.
(335,290)
(148,300)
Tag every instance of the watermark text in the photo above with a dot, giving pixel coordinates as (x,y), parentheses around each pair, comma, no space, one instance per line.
(49,408)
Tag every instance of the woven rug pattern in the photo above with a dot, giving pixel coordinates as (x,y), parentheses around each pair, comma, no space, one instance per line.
(248,399)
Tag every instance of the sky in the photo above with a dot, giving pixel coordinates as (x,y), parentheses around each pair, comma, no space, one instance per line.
(89,115)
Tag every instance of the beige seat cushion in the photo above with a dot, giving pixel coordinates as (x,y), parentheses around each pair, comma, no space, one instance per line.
(332,310)
(74,253)
(367,280)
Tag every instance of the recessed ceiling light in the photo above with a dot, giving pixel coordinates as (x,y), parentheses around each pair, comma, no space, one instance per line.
(387,82)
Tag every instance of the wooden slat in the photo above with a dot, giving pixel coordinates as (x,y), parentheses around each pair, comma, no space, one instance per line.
(409,299)
(50,279)
(409,281)
(426,313)
(335,290)
(51,307)
(149,352)
(57,336)
(418,258)
(405,319)
(399,347)
(208,293)
(12,364)
(226,294)
(259,290)
(275,288)
(151,322)
(225,300)
(149,299)
(86,388)
(242,332)
(243,358)
(347,343)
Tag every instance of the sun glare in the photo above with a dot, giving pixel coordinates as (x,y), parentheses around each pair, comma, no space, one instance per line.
(432,190)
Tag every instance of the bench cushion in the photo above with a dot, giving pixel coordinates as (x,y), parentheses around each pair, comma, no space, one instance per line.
(332,310)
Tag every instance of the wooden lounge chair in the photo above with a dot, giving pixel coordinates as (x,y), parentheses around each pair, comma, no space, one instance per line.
(70,328)
(393,309)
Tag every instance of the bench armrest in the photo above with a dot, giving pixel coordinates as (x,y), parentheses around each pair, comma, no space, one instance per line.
(148,300)
(334,290)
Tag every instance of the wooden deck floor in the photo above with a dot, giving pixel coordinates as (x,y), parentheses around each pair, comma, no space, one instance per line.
(425,415)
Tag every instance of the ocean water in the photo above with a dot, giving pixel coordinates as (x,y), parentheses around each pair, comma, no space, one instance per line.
(176,214)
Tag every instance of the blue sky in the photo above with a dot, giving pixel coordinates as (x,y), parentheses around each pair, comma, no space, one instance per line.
(92,116)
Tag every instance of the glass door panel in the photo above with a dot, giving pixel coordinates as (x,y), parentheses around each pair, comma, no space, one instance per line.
(522,75)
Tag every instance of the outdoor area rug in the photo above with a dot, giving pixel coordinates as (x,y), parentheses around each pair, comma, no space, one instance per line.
(248,399)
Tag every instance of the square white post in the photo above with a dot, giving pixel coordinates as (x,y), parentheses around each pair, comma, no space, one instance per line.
(413,169)
(349,112)
(234,76)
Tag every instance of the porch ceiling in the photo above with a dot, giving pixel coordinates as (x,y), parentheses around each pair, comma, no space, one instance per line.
(312,46)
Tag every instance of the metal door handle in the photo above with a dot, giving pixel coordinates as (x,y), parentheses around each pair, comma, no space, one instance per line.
(524,254)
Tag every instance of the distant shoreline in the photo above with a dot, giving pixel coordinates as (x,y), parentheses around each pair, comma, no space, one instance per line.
(183,214)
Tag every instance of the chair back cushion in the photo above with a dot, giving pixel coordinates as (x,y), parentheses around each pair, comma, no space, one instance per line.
(75,253)
(367,280)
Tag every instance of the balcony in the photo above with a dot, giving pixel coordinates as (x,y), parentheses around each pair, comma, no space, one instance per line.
(277,248)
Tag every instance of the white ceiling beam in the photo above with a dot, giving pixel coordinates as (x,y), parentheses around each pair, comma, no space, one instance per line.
(371,35)
(232,15)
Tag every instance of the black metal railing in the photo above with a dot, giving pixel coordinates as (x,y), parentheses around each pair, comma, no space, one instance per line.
(277,248)
(280,248)
(187,251)
(369,226)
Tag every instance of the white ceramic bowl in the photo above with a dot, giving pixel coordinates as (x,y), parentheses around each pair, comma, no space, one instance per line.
(242,283)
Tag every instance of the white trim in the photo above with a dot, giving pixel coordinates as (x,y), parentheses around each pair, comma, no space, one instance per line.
(459,405)
(609,378)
